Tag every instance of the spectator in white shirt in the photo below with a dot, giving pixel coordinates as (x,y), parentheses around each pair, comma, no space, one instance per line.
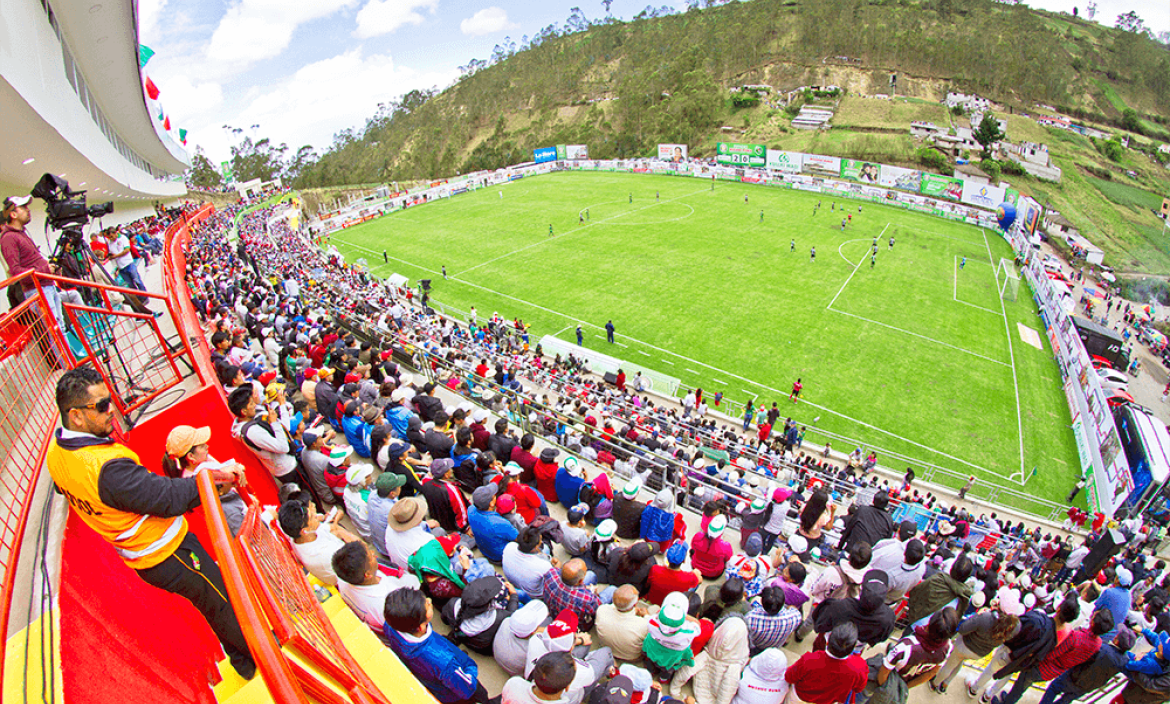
(264,436)
(314,540)
(362,584)
(525,564)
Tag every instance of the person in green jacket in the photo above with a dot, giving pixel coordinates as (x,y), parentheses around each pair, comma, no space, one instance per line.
(939,590)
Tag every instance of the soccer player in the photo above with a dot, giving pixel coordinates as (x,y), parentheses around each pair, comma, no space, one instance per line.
(550,230)
(796,389)
(813,255)
(580,336)
(842,224)
(657,197)
(581,218)
(587,213)
(792,246)
(631,198)
(501,195)
(873,259)
(761,216)
(745,198)
(444,270)
(963,263)
(891,241)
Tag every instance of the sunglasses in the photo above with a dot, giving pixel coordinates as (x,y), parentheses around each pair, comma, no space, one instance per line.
(102,406)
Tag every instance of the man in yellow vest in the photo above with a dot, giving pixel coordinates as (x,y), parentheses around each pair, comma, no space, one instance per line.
(139,513)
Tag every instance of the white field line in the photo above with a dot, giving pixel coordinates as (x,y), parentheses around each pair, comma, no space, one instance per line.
(923,337)
(1012,355)
(821,408)
(939,234)
(586,226)
(956,293)
(855,268)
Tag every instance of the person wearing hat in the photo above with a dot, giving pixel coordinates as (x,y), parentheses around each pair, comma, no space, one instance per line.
(340,460)
(750,566)
(399,413)
(627,511)
(315,460)
(709,551)
(600,546)
(510,646)
(358,480)
(660,523)
(1078,646)
(1116,597)
(753,516)
(476,615)
(408,530)
(187,455)
(574,536)
(667,646)
(445,670)
(664,580)
(314,540)
(980,634)
(21,254)
(621,625)
(529,502)
(868,611)
(492,531)
(387,488)
(632,565)
(363,585)
(480,435)
(870,524)
(570,478)
(544,473)
(445,502)
(399,457)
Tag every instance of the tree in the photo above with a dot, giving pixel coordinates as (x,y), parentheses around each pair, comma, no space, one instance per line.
(1130,22)
(203,173)
(261,159)
(1092,9)
(1130,121)
(301,161)
(988,132)
(607,3)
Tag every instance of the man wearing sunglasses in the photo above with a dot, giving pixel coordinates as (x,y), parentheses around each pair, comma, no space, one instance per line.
(139,513)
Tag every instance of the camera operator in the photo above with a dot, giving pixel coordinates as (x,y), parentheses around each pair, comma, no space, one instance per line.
(71,264)
(21,255)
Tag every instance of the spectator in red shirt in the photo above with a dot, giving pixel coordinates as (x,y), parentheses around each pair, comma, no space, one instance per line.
(1076,648)
(522,454)
(528,502)
(709,551)
(664,580)
(833,675)
(479,432)
(545,471)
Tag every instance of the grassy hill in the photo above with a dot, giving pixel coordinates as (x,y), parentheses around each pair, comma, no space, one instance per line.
(623,87)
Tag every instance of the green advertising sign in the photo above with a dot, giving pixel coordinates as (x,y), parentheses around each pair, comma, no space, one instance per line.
(937,186)
(562,152)
(854,170)
(731,154)
(226,168)
(1012,196)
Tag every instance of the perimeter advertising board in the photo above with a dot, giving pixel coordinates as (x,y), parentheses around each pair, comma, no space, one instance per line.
(576,151)
(788,162)
(544,154)
(902,179)
(937,186)
(983,195)
(733,154)
(864,171)
(818,165)
(672,152)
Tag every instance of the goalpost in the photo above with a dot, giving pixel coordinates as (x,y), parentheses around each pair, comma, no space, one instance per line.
(1007,280)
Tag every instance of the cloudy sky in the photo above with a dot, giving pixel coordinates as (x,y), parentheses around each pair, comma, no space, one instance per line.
(305,69)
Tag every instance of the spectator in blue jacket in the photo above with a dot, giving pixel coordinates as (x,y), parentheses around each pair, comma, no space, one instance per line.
(398,413)
(491,530)
(448,672)
(569,480)
(353,427)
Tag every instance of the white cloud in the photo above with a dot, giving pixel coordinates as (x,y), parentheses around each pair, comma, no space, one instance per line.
(148,13)
(320,99)
(486,21)
(185,100)
(380,17)
(254,30)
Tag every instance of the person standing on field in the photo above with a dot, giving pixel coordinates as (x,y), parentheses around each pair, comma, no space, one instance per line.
(609,332)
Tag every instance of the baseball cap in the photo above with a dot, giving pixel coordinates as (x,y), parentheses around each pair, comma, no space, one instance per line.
(16,201)
(505,504)
(619,690)
(389,481)
(605,530)
(907,529)
(677,553)
(338,454)
(1009,601)
(1124,577)
(183,437)
(267,377)
(358,473)
(716,526)
(674,611)
(564,624)
(630,490)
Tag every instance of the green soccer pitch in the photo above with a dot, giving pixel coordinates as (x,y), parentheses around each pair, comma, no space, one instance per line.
(911,351)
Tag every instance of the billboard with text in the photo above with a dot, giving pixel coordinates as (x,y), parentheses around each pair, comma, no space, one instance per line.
(937,186)
(576,151)
(822,165)
(672,152)
(732,154)
(544,154)
(789,162)
(864,171)
(983,195)
(897,177)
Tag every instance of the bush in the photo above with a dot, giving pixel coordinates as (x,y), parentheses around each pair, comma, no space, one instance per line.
(931,158)
(992,168)
(1011,168)
(957,111)
(744,99)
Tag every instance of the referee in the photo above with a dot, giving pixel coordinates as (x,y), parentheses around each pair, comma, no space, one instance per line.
(139,513)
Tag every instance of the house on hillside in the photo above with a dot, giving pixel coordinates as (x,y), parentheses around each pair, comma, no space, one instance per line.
(972,174)
(1058,122)
(969,103)
(1164,148)
(923,130)
(1056,225)
(1033,158)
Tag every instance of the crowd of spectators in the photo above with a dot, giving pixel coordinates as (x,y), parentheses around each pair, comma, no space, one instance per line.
(432,501)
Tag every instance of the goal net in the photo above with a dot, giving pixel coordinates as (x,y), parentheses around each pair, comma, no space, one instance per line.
(1007,280)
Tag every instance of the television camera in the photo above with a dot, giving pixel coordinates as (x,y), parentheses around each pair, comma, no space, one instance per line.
(66,209)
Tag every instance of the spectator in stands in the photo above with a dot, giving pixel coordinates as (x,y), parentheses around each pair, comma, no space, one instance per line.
(437,440)
(660,523)
(770,621)
(1116,597)
(837,582)
(669,634)
(917,658)
(574,536)
(889,553)
(718,667)
(763,679)
(525,563)
(187,455)
(314,540)
(123,258)
(981,633)
(868,524)
(139,513)
(662,581)
(868,611)
(908,573)
(940,589)
(1075,648)
(600,546)
(817,513)
(565,589)
(358,478)
(315,459)
(552,675)
(479,433)
(750,566)
(475,616)
(399,461)
(510,646)
(632,565)
(522,454)
(263,435)
(491,530)
(429,405)
(833,675)
(570,478)
(445,502)
(621,626)
(407,531)
(724,599)
(363,585)
(791,580)
(387,488)
(544,473)
(449,673)
(529,503)
(502,442)
(1093,674)
(709,551)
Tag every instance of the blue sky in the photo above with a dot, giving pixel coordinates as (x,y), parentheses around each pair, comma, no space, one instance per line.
(305,69)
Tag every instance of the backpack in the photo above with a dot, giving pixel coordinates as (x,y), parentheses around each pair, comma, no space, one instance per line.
(848,589)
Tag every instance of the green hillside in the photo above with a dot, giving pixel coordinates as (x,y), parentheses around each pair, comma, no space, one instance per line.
(623,87)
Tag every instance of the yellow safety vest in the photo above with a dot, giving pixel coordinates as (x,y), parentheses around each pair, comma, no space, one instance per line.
(142,541)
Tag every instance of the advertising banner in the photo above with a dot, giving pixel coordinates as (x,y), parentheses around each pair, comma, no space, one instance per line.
(789,162)
(822,165)
(575,151)
(732,154)
(1031,219)
(983,195)
(937,186)
(1012,196)
(903,179)
(544,154)
(672,152)
(562,152)
(864,171)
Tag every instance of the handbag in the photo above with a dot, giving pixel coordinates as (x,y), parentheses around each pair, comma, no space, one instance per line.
(894,691)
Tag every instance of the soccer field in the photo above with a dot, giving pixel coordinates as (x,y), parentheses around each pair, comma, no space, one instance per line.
(910,350)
